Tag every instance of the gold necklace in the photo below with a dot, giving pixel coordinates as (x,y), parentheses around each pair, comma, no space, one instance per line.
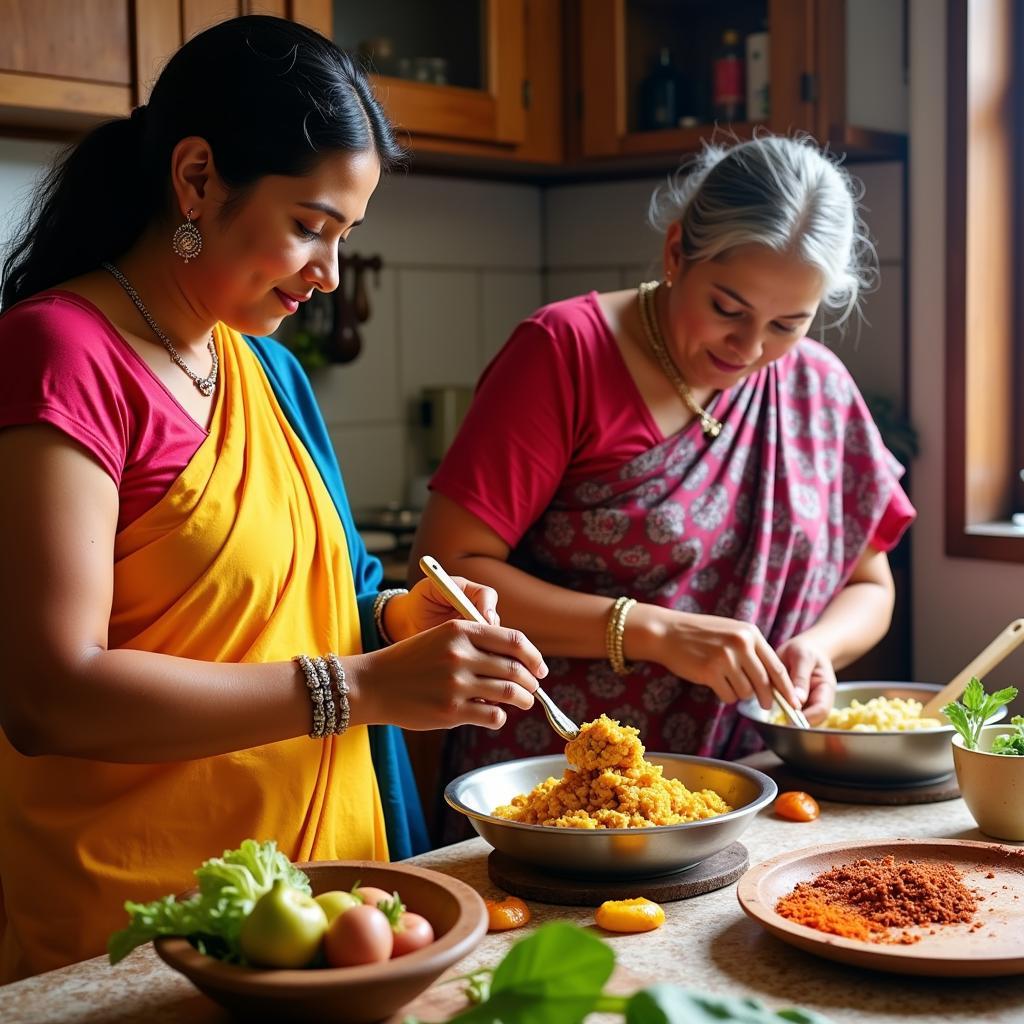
(649,318)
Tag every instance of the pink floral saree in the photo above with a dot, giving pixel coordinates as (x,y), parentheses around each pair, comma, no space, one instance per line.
(765,523)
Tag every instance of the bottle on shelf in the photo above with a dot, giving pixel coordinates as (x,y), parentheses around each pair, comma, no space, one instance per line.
(659,95)
(727,93)
(758,108)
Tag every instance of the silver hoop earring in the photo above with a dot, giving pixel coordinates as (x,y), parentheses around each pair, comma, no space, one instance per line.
(187,241)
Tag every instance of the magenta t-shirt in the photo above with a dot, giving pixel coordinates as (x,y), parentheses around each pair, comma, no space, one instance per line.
(66,365)
(563,406)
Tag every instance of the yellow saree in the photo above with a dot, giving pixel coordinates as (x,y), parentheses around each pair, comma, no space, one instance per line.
(243,560)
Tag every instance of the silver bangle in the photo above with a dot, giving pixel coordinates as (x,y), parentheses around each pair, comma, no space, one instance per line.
(378,610)
(325,688)
(338,674)
(316,696)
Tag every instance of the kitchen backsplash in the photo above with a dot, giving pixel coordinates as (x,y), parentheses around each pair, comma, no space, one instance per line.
(465,260)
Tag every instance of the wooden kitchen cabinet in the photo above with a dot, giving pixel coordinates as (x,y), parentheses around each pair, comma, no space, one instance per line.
(827,61)
(469,78)
(65,66)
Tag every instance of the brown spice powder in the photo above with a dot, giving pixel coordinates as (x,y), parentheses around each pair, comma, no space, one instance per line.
(867,898)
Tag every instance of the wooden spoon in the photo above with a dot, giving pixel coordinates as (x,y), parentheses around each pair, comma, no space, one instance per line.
(1009,640)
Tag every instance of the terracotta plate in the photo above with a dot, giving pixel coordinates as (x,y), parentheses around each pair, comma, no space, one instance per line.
(953,951)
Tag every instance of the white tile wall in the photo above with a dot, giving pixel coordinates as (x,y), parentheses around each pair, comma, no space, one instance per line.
(505,298)
(427,221)
(368,389)
(598,225)
(21,161)
(373,462)
(464,261)
(563,284)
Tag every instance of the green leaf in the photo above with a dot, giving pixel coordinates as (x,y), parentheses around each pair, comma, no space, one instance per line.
(958,716)
(669,1004)
(557,960)
(974,694)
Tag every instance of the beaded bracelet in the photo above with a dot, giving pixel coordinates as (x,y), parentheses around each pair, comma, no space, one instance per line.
(320,673)
(316,695)
(338,674)
(615,633)
(378,610)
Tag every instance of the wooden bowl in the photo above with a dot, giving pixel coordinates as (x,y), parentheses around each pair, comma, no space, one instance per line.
(346,995)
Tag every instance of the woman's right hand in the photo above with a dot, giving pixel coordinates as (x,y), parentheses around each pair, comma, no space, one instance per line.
(730,657)
(457,673)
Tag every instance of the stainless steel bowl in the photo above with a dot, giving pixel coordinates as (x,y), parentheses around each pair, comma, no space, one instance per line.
(612,852)
(850,758)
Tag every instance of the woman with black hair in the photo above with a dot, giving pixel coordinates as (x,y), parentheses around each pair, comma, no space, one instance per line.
(191,624)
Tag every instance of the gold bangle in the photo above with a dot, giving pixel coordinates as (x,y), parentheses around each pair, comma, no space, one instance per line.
(615,633)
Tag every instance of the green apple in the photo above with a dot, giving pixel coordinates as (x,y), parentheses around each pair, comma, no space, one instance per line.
(284,929)
(337,902)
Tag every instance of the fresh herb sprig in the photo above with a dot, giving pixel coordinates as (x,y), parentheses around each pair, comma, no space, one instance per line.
(557,976)
(977,707)
(1014,743)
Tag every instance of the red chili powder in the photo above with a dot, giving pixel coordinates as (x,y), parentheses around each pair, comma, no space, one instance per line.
(867,898)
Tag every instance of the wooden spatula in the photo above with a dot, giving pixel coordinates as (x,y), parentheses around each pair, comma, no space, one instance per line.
(1009,640)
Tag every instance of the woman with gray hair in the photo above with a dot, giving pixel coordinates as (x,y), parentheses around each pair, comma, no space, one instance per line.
(679,497)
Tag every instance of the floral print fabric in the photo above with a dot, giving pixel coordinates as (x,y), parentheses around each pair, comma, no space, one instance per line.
(765,523)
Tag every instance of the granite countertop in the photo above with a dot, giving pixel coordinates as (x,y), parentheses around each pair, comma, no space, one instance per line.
(706,944)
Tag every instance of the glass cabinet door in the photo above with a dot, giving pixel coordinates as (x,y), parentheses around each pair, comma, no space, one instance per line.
(448,68)
(660,75)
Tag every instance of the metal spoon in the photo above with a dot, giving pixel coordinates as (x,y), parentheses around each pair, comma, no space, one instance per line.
(558,719)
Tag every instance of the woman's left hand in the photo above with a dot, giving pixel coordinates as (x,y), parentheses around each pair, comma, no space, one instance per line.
(812,674)
(423,607)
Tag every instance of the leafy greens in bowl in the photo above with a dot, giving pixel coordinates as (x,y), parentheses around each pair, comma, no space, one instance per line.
(229,887)
(975,708)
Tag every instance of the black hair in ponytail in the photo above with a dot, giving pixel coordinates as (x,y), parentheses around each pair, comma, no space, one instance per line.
(270,97)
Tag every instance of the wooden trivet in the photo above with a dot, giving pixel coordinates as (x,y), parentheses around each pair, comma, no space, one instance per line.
(532,883)
(787,777)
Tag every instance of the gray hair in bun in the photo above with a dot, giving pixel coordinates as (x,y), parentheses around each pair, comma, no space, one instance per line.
(779,192)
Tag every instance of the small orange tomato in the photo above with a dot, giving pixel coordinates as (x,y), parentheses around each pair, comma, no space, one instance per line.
(505,914)
(795,805)
(636,915)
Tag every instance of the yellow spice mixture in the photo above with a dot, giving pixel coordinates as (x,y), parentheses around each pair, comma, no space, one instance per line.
(612,787)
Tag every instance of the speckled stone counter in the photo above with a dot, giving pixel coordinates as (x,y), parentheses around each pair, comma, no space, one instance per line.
(707,943)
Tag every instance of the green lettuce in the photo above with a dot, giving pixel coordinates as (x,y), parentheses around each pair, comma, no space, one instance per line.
(1014,743)
(229,887)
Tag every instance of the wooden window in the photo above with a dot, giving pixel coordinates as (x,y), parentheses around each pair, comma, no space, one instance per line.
(984,277)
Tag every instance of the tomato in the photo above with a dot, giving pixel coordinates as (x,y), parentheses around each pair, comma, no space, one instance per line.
(284,928)
(795,805)
(413,932)
(506,914)
(361,935)
(635,915)
(337,902)
(371,895)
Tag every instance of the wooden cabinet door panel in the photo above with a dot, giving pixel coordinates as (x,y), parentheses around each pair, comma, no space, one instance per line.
(88,40)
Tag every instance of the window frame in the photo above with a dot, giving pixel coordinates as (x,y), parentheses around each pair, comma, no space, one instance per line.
(984,259)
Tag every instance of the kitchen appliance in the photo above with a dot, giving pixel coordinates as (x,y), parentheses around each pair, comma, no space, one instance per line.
(442,409)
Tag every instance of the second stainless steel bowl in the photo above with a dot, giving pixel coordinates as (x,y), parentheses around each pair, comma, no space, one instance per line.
(892,759)
(613,852)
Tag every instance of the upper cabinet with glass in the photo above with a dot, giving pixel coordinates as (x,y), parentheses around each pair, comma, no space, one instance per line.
(449,69)
(657,76)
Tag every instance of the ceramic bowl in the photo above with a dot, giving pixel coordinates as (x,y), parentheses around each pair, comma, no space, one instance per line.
(346,995)
(992,785)
(873,759)
(611,852)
